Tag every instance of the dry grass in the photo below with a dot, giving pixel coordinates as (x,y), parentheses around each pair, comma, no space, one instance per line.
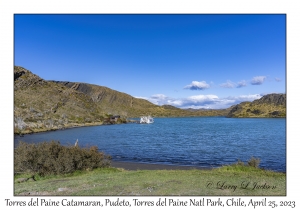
(228,181)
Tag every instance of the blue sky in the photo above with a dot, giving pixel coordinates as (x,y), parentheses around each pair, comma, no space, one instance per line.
(189,61)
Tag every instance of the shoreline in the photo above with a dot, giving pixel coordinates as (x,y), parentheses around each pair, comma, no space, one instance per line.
(69,126)
(77,125)
(132,166)
(135,166)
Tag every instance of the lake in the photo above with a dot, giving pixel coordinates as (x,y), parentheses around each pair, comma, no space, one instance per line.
(189,141)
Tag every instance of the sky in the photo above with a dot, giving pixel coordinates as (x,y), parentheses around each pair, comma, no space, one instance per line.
(188,61)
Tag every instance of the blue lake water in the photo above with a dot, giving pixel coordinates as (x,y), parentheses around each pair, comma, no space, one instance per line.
(195,141)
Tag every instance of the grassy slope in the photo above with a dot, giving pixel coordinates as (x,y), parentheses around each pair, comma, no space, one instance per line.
(271,105)
(112,181)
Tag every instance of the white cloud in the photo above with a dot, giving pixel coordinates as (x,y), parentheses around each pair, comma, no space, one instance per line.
(203,98)
(241,84)
(241,98)
(228,84)
(195,85)
(277,79)
(159,96)
(197,101)
(158,99)
(141,97)
(258,80)
(202,101)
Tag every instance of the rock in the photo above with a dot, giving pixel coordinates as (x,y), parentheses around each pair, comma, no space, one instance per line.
(31,180)
(20,180)
(18,74)
(275,99)
(62,189)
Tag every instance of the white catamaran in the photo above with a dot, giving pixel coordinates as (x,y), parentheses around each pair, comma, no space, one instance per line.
(146,119)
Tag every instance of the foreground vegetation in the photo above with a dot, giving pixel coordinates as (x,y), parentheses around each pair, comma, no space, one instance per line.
(52,158)
(51,169)
(229,180)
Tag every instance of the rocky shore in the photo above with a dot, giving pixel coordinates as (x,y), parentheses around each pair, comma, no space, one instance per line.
(43,129)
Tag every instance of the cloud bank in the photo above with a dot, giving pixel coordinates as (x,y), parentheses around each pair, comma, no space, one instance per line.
(201,101)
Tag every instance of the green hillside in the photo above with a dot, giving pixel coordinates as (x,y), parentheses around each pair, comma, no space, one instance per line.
(271,105)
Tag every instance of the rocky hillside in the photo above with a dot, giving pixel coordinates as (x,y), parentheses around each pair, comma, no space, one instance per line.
(118,103)
(271,105)
(112,101)
(41,105)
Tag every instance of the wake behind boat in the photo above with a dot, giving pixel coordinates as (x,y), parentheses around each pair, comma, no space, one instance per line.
(146,119)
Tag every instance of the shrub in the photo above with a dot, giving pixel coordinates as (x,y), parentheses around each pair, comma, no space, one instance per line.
(19,123)
(52,158)
(254,162)
(239,163)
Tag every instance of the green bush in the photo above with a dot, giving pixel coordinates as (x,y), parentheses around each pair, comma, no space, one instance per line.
(254,162)
(52,158)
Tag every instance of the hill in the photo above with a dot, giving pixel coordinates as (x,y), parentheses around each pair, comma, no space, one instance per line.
(118,103)
(271,105)
(41,105)
(111,101)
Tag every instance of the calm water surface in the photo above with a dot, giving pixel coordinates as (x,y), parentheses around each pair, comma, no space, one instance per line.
(197,141)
